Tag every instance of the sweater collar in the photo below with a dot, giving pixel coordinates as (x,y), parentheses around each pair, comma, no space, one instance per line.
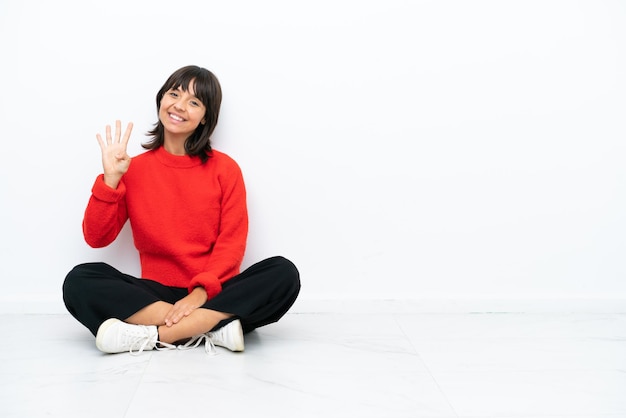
(176,161)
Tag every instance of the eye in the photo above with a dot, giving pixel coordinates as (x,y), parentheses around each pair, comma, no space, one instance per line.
(172,93)
(195,103)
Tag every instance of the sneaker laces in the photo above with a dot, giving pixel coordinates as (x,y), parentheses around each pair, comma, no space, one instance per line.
(139,339)
(161,346)
(196,340)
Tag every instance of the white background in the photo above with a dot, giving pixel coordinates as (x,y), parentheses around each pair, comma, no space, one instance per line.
(427,151)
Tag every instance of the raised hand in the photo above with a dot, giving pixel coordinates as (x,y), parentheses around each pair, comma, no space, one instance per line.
(115,159)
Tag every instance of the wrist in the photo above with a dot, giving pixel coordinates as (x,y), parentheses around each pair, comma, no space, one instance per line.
(201,293)
(112,180)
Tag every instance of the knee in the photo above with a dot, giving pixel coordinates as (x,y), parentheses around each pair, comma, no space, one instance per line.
(76,278)
(72,280)
(70,286)
(288,272)
(80,271)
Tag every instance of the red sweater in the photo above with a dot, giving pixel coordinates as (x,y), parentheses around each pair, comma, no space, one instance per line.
(189,220)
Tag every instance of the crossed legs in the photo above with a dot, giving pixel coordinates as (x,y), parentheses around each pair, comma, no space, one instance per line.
(200,321)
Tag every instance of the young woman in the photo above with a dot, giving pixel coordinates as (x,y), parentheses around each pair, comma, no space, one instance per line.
(186,204)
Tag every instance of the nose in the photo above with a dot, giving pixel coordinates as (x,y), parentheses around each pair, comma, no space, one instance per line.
(180,105)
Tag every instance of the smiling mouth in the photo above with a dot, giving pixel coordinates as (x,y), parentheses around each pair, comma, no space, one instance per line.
(176,117)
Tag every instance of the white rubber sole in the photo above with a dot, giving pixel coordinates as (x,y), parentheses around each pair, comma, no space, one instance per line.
(100,334)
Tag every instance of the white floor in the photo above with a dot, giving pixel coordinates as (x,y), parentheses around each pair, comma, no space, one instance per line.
(330,365)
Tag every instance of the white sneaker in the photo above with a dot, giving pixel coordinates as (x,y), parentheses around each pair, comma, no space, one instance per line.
(229,336)
(115,336)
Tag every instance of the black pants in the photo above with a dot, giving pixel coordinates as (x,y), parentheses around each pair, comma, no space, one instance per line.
(260,295)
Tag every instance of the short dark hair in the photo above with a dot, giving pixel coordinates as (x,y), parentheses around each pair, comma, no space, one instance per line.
(208,90)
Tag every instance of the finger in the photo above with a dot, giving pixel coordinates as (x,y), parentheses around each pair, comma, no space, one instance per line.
(168,318)
(129,129)
(108,133)
(176,318)
(100,141)
(118,130)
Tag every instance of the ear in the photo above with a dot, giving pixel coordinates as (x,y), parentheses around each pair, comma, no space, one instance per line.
(203,121)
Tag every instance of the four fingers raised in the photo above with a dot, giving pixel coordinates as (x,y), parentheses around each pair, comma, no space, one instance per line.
(118,135)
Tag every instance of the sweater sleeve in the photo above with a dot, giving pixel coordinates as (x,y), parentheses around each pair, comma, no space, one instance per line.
(229,248)
(105,214)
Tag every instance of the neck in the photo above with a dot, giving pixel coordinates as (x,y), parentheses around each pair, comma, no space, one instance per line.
(174,146)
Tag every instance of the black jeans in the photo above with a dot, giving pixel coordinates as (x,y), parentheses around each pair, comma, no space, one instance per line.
(260,295)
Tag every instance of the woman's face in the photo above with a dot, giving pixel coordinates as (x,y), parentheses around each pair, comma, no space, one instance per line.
(181,111)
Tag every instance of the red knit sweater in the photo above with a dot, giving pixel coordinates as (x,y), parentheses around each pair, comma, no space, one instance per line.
(189,220)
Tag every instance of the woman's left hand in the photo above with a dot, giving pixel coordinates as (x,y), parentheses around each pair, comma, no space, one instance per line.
(186,306)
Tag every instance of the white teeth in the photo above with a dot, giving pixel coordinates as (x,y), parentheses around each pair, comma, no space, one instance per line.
(178,118)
